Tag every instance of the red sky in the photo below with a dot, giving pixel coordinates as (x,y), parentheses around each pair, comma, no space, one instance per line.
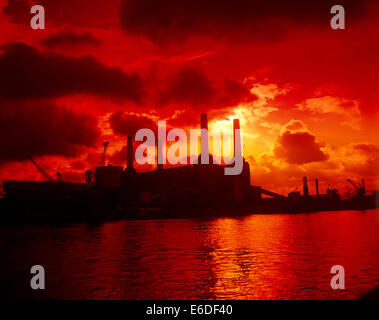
(305,94)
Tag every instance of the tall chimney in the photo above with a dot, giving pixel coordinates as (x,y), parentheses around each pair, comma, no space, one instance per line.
(204,138)
(204,121)
(236,126)
(305,186)
(129,151)
(159,152)
(317,192)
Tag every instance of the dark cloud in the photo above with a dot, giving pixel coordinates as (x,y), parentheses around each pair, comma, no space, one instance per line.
(118,158)
(366,148)
(28,73)
(69,40)
(87,13)
(190,86)
(248,19)
(299,148)
(232,93)
(128,124)
(42,128)
(367,166)
(18,10)
(191,92)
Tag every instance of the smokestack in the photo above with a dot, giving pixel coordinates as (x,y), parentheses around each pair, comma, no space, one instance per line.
(204,138)
(317,192)
(305,186)
(159,152)
(129,151)
(363,185)
(236,126)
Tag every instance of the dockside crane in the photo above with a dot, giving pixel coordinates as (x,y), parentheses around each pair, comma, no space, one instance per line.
(45,174)
(359,188)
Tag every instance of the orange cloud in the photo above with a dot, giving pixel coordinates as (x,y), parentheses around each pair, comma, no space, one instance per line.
(345,108)
(295,125)
(299,148)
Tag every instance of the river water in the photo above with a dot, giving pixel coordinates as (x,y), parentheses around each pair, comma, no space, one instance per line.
(256,257)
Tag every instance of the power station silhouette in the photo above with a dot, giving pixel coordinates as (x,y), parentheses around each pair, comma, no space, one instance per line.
(195,190)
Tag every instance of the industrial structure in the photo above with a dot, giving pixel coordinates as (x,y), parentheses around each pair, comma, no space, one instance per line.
(185,191)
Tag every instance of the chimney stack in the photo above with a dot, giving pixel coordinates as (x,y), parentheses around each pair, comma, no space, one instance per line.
(129,151)
(204,121)
(236,126)
(317,192)
(305,186)
(204,138)
(159,152)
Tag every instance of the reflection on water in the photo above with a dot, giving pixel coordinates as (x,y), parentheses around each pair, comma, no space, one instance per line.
(257,257)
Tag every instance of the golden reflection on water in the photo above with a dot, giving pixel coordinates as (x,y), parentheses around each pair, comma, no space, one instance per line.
(258,257)
(239,263)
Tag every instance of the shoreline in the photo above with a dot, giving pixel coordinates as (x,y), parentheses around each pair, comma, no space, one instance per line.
(45,219)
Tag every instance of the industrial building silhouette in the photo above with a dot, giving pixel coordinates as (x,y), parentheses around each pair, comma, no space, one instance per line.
(196,190)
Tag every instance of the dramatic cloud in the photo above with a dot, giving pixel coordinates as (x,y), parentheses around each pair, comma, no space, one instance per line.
(42,128)
(298,147)
(128,124)
(295,125)
(174,20)
(68,40)
(264,62)
(28,73)
(266,92)
(346,108)
(366,149)
(18,10)
(189,92)
(86,13)
(361,160)
(191,88)
(233,93)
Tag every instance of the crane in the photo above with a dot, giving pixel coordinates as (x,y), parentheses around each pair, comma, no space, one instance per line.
(105,144)
(46,175)
(354,184)
(360,189)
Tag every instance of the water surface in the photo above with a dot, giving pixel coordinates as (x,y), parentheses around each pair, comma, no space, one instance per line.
(257,257)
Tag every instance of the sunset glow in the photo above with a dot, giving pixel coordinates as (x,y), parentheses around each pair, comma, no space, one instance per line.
(306,95)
